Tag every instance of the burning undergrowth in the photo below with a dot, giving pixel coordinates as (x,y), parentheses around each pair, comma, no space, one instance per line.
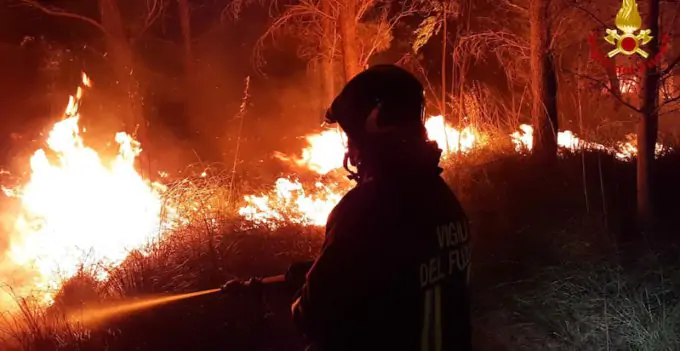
(79,210)
(81,213)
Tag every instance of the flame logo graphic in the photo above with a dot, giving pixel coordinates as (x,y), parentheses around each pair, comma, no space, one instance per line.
(628,18)
(628,21)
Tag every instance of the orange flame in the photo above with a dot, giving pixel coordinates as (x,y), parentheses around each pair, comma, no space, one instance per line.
(450,139)
(325,154)
(290,202)
(625,150)
(78,211)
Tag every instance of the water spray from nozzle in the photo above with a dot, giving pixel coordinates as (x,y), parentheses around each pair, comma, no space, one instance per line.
(99,314)
(233,287)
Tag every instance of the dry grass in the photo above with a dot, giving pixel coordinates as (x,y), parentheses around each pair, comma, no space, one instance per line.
(596,306)
(35,328)
(550,266)
(625,299)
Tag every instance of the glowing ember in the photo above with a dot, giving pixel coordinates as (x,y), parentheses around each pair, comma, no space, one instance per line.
(78,211)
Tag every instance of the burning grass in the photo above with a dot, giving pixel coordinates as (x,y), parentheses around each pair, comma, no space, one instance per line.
(194,231)
(563,283)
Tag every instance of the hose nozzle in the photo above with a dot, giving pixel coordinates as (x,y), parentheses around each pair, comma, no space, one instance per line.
(239,287)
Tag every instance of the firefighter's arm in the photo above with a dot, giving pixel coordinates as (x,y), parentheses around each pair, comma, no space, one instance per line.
(290,282)
(337,282)
(296,275)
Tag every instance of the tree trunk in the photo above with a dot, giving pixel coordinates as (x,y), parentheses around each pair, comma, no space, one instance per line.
(185,24)
(614,83)
(649,125)
(327,54)
(348,32)
(445,29)
(122,64)
(122,61)
(543,82)
(196,118)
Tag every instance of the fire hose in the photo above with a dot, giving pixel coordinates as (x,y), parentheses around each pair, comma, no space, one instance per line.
(291,282)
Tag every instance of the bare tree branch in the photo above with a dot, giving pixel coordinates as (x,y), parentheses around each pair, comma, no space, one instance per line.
(154,9)
(619,98)
(363,7)
(673,25)
(478,44)
(305,9)
(386,26)
(589,13)
(516,7)
(62,13)
(669,111)
(671,66)
(669,101)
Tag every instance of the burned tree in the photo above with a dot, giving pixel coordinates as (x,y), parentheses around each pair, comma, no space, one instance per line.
(543,81)
(185,24)
(348,35)
(648,127)
(195,118)
(326,55)
(121,57)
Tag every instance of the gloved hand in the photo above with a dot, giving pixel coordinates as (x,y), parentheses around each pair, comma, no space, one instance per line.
(297,274)
(240,287)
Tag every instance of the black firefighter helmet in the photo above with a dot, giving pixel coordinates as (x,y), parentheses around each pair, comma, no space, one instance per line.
(381,110)
(384,103)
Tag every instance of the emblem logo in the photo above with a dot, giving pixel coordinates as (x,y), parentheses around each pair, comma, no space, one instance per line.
(628,21)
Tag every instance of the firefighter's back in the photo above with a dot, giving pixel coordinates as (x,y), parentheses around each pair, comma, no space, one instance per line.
(422,264)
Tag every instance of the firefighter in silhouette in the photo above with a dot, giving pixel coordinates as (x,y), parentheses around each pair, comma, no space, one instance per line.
(394,267)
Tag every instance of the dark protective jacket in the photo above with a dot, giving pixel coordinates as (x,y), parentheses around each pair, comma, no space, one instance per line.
(393,271)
